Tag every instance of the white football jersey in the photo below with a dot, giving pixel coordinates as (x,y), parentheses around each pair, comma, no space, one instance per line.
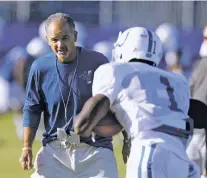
(144,97)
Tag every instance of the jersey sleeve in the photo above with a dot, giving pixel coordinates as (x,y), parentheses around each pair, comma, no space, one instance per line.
(104,82)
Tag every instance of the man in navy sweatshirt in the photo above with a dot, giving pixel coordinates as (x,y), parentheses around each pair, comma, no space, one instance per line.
(58,85)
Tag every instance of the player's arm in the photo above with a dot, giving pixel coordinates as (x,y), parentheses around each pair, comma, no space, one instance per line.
(97,109)
(125,135)
(126,147)
(93,111)
(108,126)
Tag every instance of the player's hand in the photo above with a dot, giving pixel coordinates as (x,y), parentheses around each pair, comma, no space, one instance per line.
(126,150)
(25,159)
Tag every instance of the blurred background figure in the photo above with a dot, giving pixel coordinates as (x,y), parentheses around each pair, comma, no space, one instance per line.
(104,47)
(203,48)
(35,48)
(198,83)
(12,92)
(82,34)
(2,26)
(42,31)
(169,37)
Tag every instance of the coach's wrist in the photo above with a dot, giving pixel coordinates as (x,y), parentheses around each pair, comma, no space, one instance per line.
(27,144)
(27,149)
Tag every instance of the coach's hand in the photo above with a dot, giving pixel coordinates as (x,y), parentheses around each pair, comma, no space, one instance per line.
(26,159)
(126,150)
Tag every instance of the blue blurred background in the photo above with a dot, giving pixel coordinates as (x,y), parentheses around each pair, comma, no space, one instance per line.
(179,24)
(98,22)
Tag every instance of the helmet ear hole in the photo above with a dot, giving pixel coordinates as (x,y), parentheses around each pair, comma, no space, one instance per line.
(121,56)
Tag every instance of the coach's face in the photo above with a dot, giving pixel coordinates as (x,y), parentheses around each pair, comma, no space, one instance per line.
(61,37)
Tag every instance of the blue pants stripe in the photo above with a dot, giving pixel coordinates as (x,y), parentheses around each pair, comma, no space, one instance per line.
(149,162)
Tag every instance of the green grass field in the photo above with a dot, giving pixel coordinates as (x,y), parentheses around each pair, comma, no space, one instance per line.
(10,150)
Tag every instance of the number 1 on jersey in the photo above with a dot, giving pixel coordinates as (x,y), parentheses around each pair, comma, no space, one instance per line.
(170,90)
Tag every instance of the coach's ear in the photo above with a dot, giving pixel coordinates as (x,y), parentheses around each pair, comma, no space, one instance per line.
(198,112)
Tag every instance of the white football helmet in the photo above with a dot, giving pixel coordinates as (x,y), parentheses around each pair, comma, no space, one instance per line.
(137,43)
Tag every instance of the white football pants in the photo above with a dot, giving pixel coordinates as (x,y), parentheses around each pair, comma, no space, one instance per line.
(84,161)
(153,161)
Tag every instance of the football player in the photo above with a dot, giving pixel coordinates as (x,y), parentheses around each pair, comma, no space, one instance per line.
(151,104)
